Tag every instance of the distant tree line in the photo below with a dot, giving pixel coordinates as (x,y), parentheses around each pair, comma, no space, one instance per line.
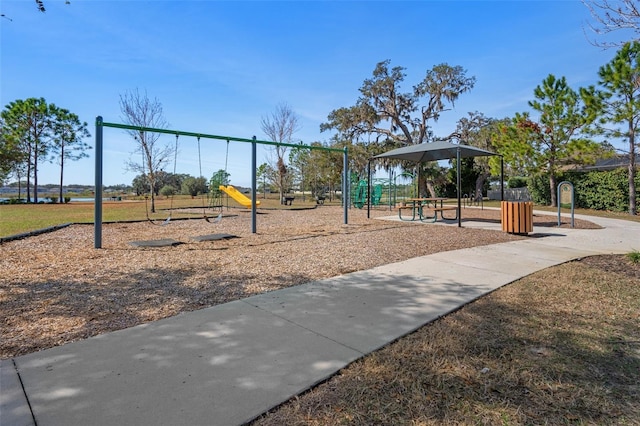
(168,184)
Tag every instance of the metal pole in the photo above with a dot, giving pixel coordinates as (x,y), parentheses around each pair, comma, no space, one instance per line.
(97,201)
(459,183)
(390,179)
(253,186)
(558,200)
(345,186)
(369,189)
(501,178)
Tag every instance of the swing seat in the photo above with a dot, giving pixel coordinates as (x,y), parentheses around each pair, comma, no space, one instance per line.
(166,242)
(213,237)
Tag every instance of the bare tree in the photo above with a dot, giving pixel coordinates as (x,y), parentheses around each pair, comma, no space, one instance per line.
(138,110)
(611,16)
(280,127)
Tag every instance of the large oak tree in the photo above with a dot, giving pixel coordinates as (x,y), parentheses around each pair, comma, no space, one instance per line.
(395,118)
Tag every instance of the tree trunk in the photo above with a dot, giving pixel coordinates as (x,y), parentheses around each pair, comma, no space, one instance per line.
(632,190)
(151,190)
(282,171)
(480,186)
(61,171)
(422,186)
(29,175)
(632,174)
(425,186)
(552,187)
(430,188)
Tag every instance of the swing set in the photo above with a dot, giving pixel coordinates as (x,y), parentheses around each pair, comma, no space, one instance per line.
(204,206)
(100,125)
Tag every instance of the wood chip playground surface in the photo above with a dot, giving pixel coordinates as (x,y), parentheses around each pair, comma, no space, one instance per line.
(56,288)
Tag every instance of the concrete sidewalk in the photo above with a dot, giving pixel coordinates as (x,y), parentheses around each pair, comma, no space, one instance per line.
(227,364)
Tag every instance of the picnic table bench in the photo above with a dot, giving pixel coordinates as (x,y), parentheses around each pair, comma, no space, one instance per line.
(419,206)
(287,201)
(437,210)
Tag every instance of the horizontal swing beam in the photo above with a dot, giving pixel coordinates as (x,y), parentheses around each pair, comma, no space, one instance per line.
(207,136)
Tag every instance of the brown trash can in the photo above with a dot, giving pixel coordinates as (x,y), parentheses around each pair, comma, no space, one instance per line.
(517,216)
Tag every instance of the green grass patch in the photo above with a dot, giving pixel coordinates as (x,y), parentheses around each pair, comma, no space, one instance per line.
(20,218)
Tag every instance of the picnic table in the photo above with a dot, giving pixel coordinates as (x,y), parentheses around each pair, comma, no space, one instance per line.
(420,206)
(287,200)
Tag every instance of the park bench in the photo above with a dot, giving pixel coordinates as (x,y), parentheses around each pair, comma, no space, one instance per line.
(320,199)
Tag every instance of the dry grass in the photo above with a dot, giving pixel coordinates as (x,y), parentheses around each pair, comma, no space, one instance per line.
(561,346)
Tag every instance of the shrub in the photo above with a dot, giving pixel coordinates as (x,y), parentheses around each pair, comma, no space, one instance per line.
(598,190)
(67,199)
(539,189)
(516,182)
(167,191)
(607,190)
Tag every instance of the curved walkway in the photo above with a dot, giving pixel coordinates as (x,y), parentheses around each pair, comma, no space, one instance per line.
(227,364)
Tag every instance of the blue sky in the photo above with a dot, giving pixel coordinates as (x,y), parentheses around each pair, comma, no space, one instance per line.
(218,67)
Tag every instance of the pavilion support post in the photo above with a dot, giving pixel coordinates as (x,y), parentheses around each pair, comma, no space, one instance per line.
(345,186)
(369,189)
(458,186)
(391,171)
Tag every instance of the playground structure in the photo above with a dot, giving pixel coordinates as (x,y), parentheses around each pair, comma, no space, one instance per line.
(100,125)
(360,194)
(238,196)
(383,191)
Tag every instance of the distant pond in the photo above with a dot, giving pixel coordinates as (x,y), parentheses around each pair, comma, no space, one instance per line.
(73,199)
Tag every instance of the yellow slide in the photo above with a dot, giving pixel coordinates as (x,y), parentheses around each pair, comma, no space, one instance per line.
(238,196)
